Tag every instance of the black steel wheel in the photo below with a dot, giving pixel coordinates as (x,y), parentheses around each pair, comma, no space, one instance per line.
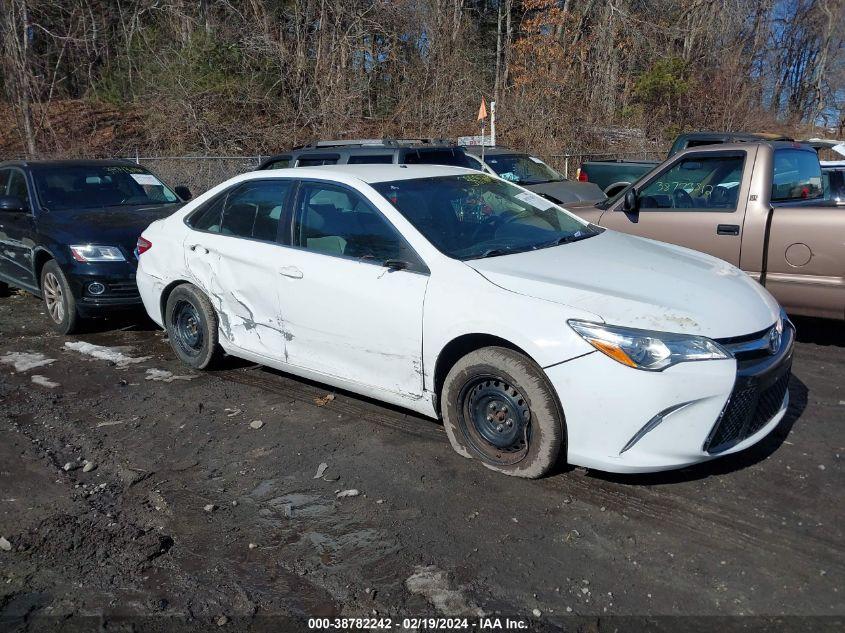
(499,407)
(496,419)
(191,324)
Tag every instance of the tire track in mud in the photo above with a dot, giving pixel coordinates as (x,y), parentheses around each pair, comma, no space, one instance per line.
(350,406)
(686,516)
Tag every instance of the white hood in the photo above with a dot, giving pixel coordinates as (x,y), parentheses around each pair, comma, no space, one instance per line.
(639,283)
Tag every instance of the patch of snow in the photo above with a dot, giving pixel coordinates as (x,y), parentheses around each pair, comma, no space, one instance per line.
(24,361)
(44,381)
(105,353)
(162,375)
(433,584)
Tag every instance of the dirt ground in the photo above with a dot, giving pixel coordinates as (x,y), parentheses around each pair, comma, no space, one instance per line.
(136,499)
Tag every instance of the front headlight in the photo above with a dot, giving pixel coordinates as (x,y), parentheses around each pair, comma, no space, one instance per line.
(644,349)
(92,253)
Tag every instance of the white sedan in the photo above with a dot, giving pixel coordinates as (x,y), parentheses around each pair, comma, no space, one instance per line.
(535,336)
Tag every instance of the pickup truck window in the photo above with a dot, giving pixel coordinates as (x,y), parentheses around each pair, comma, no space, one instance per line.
(709,183)
(797,175)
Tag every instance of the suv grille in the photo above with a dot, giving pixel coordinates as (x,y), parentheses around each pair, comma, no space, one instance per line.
(121,289)
(747,411)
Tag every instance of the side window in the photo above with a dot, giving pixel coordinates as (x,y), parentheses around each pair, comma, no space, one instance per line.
(4,180)
(370,159)
(797,175)
(280,163)
(315,160)
(17,186)
(448,156)
(207,217)
(336,221)
(254,209)
(701,183)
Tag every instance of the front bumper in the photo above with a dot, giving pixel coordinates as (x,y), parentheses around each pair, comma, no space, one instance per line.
(118,279)
(624,420)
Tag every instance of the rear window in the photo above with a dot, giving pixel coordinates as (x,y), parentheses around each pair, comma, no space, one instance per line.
(797,175)
(453,157)
(370,159)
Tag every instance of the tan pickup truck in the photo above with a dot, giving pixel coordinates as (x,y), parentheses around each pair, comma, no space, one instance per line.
(759,206)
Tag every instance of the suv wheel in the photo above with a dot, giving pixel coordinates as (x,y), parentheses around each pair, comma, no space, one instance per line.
(498,407)
(58,299)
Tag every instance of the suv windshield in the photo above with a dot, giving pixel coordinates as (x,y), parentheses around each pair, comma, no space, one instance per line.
(472,216)
(86,186)
(522,169)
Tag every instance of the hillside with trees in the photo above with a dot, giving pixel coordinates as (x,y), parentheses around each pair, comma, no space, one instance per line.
(99,77)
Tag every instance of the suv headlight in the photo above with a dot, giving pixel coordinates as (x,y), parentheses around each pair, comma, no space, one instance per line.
(645,349)
(92,253)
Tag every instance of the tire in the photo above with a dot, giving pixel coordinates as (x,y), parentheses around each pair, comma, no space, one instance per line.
(4,289)
(191,324)
(499,394)
(58,299)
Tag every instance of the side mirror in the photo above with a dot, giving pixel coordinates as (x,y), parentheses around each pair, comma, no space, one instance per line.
(395,264)
(12,204)
(630,203)
(183,192)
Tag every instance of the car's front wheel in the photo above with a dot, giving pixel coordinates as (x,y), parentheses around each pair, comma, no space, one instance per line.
(498,407)
(58,299)
(191,324)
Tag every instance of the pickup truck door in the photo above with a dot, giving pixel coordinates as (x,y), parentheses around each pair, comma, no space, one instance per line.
(805,267)
(695,201)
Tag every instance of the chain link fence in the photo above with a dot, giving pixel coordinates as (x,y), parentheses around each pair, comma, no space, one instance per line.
(201,173)
(198,173)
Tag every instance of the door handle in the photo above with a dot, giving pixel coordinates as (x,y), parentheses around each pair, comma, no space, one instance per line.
(199,247)
(291,271)
(727,229)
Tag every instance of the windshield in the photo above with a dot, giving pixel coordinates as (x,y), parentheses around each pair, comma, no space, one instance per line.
(86,186)
(522,169)
(472,216)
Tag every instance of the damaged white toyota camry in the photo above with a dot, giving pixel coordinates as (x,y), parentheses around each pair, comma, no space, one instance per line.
(535,336)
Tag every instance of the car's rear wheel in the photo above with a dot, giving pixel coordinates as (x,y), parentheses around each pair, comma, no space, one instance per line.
(498,407)
(58,299)
(191,324)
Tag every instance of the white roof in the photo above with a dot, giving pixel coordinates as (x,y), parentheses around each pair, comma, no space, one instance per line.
(371,173)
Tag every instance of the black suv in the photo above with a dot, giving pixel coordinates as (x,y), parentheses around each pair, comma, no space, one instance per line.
(69,229)
(372,152)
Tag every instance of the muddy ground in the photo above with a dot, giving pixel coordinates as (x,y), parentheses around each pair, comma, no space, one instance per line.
(187,516)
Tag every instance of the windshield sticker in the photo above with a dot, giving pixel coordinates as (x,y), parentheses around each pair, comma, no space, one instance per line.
(534,200)
(146,179)
(536,160)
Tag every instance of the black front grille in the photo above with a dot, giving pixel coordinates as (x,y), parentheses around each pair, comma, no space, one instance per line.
(121,289)
(748,410)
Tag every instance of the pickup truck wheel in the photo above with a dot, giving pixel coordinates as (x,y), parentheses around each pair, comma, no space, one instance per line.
(498,407)
(191,324)
(58,299)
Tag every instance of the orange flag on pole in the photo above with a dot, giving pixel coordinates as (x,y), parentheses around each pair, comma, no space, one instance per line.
(482,111)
